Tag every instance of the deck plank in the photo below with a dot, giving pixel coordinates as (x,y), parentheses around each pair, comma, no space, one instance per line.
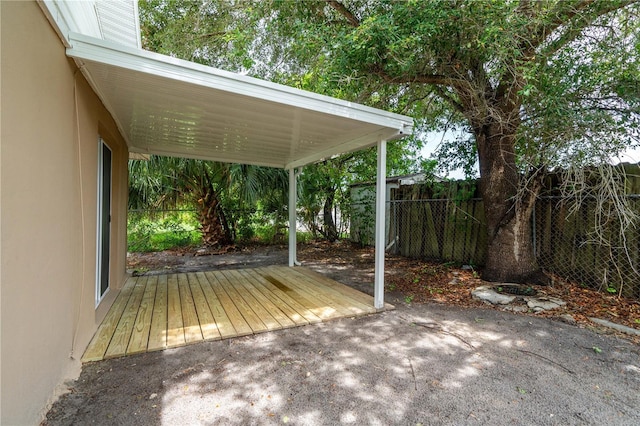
(234,315)
(252,319)
(192,330)
(261,284)
(205,317)
(351,292)
(158,331)
(317,302)
(262,308)
(158,312)
(275,310)
(100,342)
(238,282)
(175,327)
(297,277)
(301,305)
(122,334)
(140,334)
(225,327)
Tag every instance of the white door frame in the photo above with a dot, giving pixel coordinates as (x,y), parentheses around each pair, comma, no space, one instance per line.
(103,248)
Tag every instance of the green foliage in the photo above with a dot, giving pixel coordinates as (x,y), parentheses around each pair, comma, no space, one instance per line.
(197,31)
(261,226)
(147,233)
(573,66)
(531,85)
(225,195)
(237,37)
(326,185)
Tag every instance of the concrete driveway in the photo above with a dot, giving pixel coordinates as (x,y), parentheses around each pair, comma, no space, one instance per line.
(420,364)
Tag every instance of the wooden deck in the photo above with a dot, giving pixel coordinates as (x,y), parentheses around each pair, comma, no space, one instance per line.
(166,311)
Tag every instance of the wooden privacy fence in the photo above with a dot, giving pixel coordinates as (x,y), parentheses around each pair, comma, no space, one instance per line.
(430,224)
(438,229)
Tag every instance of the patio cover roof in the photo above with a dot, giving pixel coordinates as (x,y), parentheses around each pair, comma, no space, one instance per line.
(167,106)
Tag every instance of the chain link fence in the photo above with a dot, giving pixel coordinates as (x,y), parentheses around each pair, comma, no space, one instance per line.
(579,246)
(588,246)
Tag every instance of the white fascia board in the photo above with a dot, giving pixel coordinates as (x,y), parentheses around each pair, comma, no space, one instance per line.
(92,49)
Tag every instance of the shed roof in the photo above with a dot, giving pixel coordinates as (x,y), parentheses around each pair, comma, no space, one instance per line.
(168,106)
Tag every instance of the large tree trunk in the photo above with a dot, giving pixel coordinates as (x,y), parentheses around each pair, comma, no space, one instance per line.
(215,230)
(510,255)
(329,230)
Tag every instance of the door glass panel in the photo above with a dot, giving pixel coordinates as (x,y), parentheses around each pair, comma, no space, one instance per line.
(104,243)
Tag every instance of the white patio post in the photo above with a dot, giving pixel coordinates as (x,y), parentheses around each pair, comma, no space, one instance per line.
(293,193)
(381,193)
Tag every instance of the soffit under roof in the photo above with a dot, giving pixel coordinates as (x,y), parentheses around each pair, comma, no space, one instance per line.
(167,106)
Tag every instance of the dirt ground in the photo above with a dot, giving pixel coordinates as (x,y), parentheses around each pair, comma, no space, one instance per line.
(438,358)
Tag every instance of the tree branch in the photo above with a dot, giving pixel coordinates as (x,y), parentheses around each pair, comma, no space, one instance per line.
(582,22)
(213,34)
(447,97)
(435,79)
(342,10)
(415,99)
(575,19)
(560,16)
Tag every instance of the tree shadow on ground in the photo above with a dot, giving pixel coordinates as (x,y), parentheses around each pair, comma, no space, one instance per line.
(421,364)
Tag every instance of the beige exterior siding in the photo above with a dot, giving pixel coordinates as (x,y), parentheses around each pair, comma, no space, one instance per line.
(51,122)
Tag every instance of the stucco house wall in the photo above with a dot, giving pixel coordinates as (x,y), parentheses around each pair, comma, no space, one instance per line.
(51,121)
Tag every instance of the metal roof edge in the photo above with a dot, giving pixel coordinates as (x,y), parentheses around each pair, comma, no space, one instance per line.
(98,50)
